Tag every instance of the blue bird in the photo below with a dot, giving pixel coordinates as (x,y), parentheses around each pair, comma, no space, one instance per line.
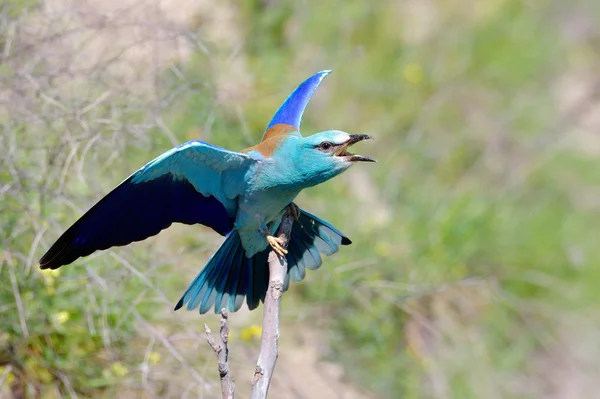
(241,195)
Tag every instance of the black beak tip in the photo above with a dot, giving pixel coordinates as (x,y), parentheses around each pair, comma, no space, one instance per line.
(355,138)
(361,158)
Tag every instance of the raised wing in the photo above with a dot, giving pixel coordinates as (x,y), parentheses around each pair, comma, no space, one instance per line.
(192,183)
(289,115)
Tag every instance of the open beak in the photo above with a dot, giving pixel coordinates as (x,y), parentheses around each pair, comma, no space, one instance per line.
(348,156)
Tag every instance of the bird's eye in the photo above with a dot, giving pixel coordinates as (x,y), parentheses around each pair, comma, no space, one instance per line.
(325,146)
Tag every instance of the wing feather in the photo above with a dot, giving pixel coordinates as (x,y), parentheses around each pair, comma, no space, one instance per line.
(194,183)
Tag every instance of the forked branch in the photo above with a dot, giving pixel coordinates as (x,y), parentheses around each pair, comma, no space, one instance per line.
(222,352)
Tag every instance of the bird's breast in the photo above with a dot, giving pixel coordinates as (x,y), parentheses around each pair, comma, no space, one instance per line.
(258,209)
(266,205)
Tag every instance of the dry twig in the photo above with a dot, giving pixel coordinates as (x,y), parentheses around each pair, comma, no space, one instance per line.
(222,352)
(267,356)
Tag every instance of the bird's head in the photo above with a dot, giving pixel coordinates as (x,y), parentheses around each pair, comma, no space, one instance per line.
(325,155)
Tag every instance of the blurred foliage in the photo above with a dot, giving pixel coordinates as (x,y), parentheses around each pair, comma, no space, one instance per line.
(54,327)
(476,185)
(474,255)
(63,333)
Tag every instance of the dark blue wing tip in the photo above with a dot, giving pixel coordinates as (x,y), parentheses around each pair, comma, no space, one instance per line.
(290,112)
(179,305)
(346,241)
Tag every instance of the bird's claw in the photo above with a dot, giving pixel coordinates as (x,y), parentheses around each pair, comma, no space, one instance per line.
(294,210)
(277,245)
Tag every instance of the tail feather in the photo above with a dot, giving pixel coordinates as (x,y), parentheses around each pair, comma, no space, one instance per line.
(229,276)
(209,292)
(244,285)
(231,284)
(260,268)
(206,278)
(312,258)
(209,281)
(324,245)
(296,265)
(286,282)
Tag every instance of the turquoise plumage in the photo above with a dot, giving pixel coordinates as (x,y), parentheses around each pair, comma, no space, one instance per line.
(241,195)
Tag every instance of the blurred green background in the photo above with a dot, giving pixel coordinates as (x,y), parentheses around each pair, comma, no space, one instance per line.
(475,259)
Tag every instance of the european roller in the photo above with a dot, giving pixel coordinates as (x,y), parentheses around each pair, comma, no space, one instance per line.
(240,195)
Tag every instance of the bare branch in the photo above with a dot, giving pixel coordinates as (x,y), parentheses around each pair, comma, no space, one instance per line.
(267,356)
(17,294)
(222,352)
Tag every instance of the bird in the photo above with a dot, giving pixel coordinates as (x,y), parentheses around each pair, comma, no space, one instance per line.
(240,195)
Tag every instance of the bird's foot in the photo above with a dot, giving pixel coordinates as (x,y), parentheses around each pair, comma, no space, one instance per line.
(294,210)
(277,245)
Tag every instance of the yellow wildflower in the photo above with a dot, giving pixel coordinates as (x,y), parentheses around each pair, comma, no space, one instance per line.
(118,369)
(248,333)
(413,73)
(49,275)
(61,317)
(154,358)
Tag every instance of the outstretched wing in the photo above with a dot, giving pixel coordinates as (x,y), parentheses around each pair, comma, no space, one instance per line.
(192,183)
(289,116)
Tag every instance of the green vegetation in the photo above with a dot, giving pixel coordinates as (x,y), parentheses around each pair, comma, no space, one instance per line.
(474,262)
(67,332)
